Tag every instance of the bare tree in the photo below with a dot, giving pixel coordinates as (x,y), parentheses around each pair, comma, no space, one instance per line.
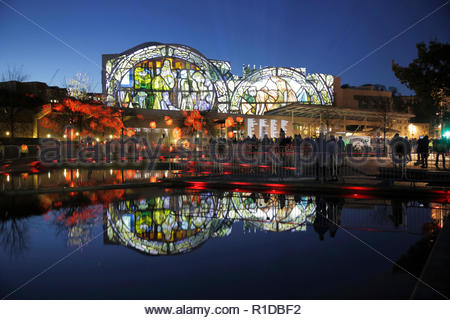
(14,74)
(13,236)
(79,86)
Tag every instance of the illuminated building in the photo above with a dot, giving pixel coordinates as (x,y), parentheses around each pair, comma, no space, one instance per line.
(154,81)
(176,77)
(155,78)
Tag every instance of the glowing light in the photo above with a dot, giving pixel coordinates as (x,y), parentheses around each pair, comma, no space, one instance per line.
(152,124)
(110,136)
(7,133)
(177,133)
(97,139)
(412,129)
(229,122)
(277,185)
(48,135)
(168,120)
(241,183)
(446,134)
(230,134)
(130,132)
(186,144)
(65,136)
(358,188)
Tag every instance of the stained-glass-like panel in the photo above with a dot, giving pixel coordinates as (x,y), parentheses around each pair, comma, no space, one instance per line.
(167,84)
(176,77)
(270,88)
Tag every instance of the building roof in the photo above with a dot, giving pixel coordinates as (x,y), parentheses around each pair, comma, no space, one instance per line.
(314,111)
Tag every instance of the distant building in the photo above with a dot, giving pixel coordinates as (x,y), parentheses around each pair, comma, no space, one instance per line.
(21,103)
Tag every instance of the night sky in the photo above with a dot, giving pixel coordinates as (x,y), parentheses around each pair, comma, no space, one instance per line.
(323,36)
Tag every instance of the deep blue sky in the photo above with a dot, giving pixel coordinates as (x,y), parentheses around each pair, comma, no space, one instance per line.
(323,36)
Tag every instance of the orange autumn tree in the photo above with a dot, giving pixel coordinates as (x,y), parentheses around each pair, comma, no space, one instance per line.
(86,117)
(193,121)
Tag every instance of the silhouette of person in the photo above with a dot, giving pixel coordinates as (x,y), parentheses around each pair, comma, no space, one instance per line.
(334,215)
(397,212)
(320,223)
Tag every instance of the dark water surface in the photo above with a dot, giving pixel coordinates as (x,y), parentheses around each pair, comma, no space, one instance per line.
(168,244)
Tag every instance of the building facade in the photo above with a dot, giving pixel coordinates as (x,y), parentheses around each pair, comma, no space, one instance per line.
(155,77)
(156,84)
(176,77)
(21,104)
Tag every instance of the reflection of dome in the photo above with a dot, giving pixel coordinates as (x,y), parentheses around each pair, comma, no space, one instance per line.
(275,212)
(180,223)
(165,225)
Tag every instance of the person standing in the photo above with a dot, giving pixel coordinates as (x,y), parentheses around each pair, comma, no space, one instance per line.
(440,146)
(419,144)
(340,155)
(408,149)
(320,150)
(332,157)
(424,152)
(398,151)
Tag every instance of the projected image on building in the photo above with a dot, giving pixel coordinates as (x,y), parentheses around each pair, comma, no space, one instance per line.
(270,88)
(176,77)
(164,77)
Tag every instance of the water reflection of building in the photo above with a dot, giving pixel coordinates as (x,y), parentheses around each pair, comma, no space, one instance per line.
(166,225)
(399,216)
(180,223)
(274,212)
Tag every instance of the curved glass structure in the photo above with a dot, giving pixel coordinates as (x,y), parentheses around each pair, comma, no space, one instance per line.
(164,77)
(270,88)
(176,77)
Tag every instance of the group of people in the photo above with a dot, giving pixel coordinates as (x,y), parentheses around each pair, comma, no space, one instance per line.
(329,152)
(324,154)
(402,149)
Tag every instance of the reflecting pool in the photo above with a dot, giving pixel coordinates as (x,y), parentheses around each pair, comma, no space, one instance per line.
(187,244)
